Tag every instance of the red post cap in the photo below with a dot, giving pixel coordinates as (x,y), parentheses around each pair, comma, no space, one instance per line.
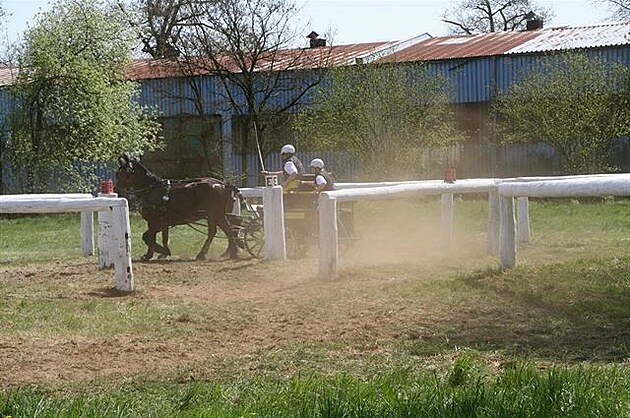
(107,186)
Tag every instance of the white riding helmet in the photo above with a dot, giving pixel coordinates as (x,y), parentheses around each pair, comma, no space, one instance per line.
(317,163)
(288,149)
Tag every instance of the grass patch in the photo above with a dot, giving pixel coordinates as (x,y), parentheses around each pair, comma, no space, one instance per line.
(34,238)
(467,389)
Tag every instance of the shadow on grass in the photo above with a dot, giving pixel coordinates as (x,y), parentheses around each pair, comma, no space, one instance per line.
(575,311)
(109,292)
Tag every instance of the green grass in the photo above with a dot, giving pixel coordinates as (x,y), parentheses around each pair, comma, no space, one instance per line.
(91,318)
(467,390)
(44,237)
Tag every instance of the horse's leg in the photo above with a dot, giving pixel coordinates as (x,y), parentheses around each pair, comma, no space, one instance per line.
(212,231)
(165,240)
(232,236)
(149,238)
(228,252)
(167,250)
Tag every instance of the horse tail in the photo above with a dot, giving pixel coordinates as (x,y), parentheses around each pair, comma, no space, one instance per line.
(235,192)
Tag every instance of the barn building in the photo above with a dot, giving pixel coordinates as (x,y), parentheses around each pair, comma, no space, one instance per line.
(198,121)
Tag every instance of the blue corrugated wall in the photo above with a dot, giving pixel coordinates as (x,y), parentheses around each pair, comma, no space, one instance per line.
(474,81)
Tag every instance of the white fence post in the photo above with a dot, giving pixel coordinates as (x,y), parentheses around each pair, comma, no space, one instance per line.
(122,239)
(328,233)
(447,220)
(106,244)
(87,233)
(273,221)
(522,219)
(507,250)
(493,222)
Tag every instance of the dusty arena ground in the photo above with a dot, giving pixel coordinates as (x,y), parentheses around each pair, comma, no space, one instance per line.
(217,318)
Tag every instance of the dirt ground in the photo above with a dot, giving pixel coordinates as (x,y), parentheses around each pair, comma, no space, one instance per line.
(282,304)
(250,307)
(394,290)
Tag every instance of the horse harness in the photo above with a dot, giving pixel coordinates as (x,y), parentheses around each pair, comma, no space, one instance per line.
(160,201)
(154,201)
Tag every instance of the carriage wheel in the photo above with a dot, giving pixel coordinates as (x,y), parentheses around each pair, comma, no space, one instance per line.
(254,238)
(296,241)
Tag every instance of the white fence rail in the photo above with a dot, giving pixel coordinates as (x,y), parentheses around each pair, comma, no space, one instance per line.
(328,234)
(87,220)
(576,186)
(503,227)
(119,208)
(502,219)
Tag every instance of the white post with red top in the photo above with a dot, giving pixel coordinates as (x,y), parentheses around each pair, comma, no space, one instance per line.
(106,248)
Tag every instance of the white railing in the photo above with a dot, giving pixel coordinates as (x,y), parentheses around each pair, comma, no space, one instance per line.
(503,227)
(328,234)
(87,220)
(86,204)
(574,186)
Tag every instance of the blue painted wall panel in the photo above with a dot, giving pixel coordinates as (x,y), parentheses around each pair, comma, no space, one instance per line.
(474,78)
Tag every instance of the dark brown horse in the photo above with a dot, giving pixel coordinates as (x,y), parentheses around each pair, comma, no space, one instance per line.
(164,203)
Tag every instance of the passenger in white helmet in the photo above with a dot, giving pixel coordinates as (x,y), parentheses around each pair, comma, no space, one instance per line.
(292,168)
(323,179)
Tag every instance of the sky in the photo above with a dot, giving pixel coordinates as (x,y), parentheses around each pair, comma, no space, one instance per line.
(356,21)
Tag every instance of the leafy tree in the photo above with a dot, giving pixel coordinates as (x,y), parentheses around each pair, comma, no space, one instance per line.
(384,115)
(484,16)
(619,8)
(73,103)
(575,103)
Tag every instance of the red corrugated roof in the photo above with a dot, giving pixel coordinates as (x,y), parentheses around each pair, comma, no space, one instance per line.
(422,48)
(499,43)
(461,46)
(289,59)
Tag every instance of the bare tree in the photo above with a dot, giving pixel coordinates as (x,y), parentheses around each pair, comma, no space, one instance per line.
(619,8)
(250,46)
(159,23)
(484,16)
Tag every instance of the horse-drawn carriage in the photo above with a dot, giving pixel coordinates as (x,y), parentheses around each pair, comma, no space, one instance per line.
(301,222)
(165,203)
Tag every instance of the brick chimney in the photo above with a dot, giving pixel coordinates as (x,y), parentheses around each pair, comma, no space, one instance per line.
(534,21)
(315,40)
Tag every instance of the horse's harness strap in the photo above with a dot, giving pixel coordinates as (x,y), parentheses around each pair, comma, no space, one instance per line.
(164,199)
(167,192)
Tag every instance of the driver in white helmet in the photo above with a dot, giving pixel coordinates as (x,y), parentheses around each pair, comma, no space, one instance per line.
(292,168)
(323,179)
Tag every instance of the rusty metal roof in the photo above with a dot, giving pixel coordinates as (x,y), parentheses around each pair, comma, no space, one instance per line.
(7,75)
(499,43)
(461,46)
(421,48)
(289,59)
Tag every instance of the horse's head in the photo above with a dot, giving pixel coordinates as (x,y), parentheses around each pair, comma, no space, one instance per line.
(132,174)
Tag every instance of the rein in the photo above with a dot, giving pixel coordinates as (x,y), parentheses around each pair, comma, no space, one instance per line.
(151,186)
